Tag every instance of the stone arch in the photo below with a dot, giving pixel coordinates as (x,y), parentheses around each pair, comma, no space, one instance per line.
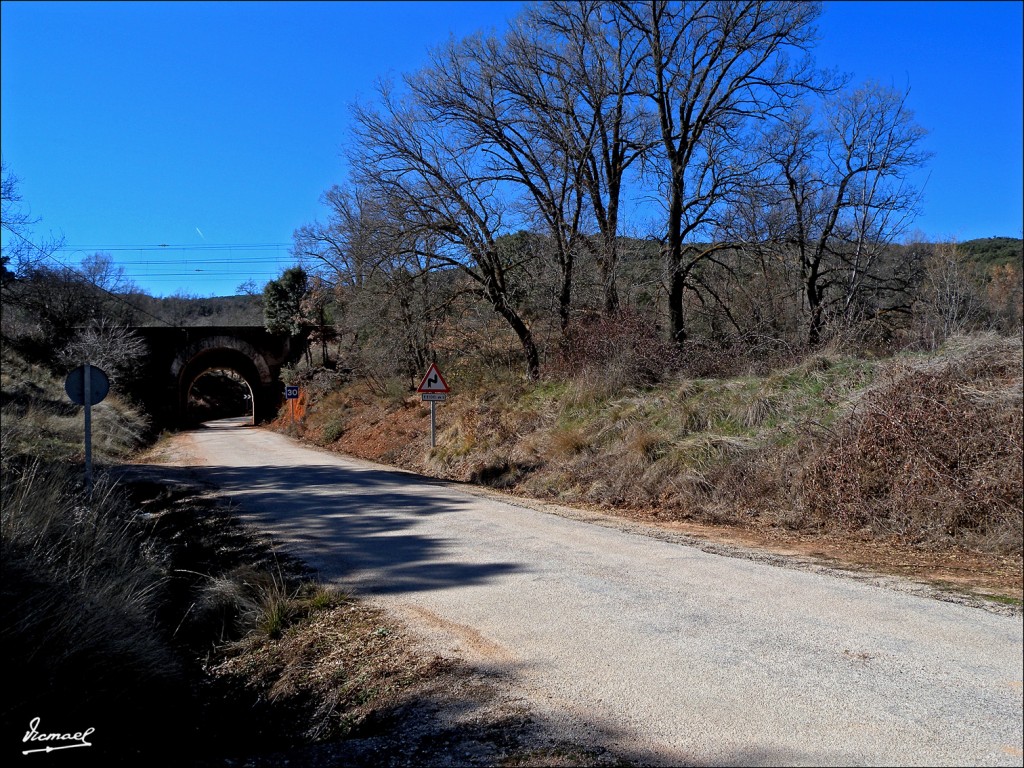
(214,343)
(227,352)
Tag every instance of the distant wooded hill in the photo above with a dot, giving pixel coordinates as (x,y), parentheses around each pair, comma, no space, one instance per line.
(195,311)
(248,309)
(991,251)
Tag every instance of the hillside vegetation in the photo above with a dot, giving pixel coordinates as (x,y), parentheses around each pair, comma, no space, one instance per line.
(918,451)
(992,251)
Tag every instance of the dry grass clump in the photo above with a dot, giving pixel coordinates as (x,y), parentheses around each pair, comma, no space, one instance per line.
(80,596)
(32,427)
(246,601)
(117,429)
(932,453)
(322,679)
(567,441)
(758,410)
(645,444)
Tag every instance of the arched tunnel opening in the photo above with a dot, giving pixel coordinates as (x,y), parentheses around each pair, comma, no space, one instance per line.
(220,383)
(219,393)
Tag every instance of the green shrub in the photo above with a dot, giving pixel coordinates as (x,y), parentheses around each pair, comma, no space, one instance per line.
(333,430)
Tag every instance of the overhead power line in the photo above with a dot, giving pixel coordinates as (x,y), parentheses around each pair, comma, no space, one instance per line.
(180,247)
(214,261)
(185,273)
(167,262)
(89,280)
(210,260)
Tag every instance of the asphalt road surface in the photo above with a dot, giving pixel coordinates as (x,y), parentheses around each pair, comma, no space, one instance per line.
(657,650)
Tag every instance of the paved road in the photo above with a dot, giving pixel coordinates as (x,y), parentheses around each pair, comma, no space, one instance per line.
(661,651)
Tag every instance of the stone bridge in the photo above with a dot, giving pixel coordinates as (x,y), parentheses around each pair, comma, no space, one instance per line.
(178,357)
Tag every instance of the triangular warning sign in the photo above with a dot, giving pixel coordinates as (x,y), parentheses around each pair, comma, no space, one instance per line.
(433,381)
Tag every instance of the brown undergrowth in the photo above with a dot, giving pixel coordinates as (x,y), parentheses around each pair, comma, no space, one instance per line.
(932,453)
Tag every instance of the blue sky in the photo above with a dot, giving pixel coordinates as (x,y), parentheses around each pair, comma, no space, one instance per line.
(213,128)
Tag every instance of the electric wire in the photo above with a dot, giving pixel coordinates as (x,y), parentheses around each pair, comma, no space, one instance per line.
(191,267)
(90,281)
(177,247)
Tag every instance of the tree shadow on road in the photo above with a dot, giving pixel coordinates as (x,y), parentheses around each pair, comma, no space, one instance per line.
(356,527)
(469,714)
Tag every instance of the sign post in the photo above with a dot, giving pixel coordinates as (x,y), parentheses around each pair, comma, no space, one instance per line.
(291,393)
(433,389)
(87,385)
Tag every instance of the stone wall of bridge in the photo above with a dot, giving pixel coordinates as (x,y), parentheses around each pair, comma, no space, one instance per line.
(177,357)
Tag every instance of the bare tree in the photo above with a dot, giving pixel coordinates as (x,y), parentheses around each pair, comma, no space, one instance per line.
(847,200)
(115,349)
(357,239)
(711,69)
(606,125)
(509,100)
(383,286)
(20,254)
(950,297)
(442,190)
(317,307)
(555,104)
(58,301)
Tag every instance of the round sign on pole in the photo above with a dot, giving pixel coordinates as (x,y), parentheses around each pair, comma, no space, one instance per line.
(99,385)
